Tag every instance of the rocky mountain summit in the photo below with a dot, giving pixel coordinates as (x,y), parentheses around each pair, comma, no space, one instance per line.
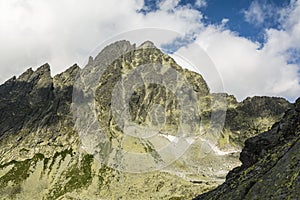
(270,164)
(49,142)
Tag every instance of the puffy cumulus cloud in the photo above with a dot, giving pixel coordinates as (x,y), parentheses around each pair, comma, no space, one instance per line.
(285,44)
(168,4)
(281,41)
(248,68)
(64,32)
(58,32)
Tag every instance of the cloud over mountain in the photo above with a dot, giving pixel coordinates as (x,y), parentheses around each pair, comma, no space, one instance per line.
(62,33)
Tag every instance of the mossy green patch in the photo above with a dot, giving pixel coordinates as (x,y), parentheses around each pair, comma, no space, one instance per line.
(78,176)
(63,154)
(20,170)
(103,177)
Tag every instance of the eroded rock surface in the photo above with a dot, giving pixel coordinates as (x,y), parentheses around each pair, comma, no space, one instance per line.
(42,156)
(270,164)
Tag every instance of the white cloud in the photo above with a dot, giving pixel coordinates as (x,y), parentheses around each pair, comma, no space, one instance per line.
(63,32)
(261,11)
(248,69)
(201,3)
(168,4)
(279,41)
(255,13)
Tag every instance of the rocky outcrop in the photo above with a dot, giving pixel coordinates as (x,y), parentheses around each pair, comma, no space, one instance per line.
(253,116)
(25,101)
(270,164)
(42,155)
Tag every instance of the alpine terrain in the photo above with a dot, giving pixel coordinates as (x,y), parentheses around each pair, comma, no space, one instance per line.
(133,124)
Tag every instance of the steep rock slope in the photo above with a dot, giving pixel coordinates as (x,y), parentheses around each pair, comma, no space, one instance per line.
(253,116)
(42,156)
(270,164)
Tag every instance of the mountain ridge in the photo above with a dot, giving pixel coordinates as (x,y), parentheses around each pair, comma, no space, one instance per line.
(270,164)
(40,144)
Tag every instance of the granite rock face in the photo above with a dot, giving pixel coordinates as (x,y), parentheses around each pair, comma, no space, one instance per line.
(42,155)
(270,164)
(25,101)
(253,116)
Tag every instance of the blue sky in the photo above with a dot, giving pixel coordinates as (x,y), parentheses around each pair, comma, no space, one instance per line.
(232,10)
(254,44)
(215,11)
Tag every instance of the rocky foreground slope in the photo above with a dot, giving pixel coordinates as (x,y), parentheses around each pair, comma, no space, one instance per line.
(270,164)
(44,156)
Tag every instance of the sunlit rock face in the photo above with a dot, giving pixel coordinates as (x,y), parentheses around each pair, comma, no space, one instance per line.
(132,124)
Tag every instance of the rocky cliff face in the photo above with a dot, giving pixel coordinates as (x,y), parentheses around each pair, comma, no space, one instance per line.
(43,154)
(270,164)
(253,116)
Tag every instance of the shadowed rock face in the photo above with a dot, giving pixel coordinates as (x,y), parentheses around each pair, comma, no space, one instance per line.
(34,99)
(253,116)
(41,154)
(270,164)
(23,98)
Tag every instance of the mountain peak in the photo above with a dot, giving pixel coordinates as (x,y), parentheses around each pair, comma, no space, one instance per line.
(43,72)
(26,75)
(49,137)
(147,44)
(112,52)
(44,68)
